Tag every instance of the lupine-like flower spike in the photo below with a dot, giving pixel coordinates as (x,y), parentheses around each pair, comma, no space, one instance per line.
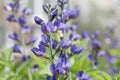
(21,20)
(96,50)
(60,45)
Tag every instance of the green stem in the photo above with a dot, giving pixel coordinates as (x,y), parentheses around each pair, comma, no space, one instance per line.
(51,48)
(29,74)
(23,42)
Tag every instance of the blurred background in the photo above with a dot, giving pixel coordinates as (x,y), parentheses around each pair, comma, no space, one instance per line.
(95,14)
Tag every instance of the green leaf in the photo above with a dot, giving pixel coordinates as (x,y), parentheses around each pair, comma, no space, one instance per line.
(22,67)
(115,51)
(6,53)
(97,77)
(84,42)
(106,75)
(83,55)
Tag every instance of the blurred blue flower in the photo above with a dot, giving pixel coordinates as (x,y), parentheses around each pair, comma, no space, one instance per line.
(48,78)
(75,12)
(25,29)
(32,39)
(74,36)
(75,49)
(11,18)
(22,20)
(27,11)
(13,36)
(65,44)
(35,68)
(96,33)
(82,76)
(25,57)
(96,43)
(10,7)
(86,34)
(16,48)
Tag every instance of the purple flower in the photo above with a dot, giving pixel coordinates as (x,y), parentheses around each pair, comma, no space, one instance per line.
(16,48)
(41,51)
(82,76)
(10,7)
(75,49)
(51,26)
(86,34)
(57,22)
(48,78)
(13,36)
(46,7)
(22,20)
(75,12)
(56,69)
(65,62)
(27,11)
(51,78)
(96,43)
(35,68)
(53,14)
(96,33)
(65,44)
(11,18)
(25,57)
(113,70)
(32,39)
(101,53)
(25,29)
(110,58)
(61,67)
(114,44)
(66,13)
(74,36)
(45,29)
(90,57)
(95,64)
(38,20)
(79,74)
(61,26)
(45,40)
(54,44)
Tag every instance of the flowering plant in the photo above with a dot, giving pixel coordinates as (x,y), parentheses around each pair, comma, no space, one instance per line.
(62,53)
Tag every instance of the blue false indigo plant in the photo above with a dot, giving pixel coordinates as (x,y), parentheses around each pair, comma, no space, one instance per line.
(54,37)
(96,47)
(20,18)
(112,43)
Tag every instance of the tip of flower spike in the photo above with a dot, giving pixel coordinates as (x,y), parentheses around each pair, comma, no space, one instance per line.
(38,20)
